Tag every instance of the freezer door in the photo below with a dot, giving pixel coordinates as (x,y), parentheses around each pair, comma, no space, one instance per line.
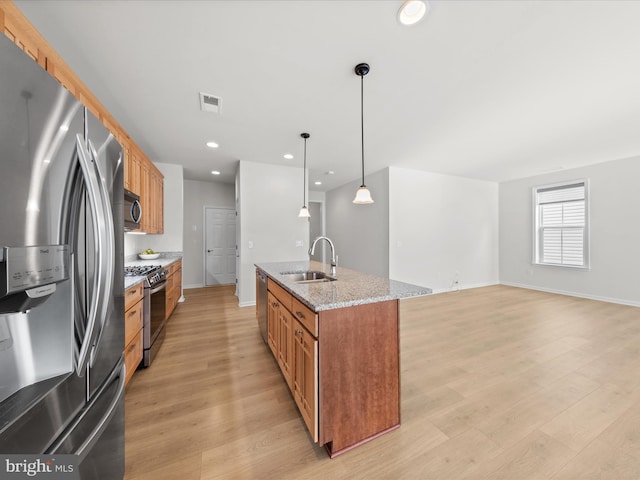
(96,434)
(34,417)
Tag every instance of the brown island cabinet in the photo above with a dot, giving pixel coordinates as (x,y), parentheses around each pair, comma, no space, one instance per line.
(341,359)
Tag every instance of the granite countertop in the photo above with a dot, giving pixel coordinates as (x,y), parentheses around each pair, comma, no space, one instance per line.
(132,281)
(163,260)
(351,287)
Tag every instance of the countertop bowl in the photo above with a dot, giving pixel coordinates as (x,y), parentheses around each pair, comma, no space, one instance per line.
(148,256)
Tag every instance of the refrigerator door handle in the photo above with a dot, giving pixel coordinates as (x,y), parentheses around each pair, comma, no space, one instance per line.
(97,304)
(105,275)
(102,424)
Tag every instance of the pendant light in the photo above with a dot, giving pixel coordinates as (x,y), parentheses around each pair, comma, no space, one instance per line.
(304,211)
(363,196)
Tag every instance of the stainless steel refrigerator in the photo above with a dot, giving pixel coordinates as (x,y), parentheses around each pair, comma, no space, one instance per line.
(61,274)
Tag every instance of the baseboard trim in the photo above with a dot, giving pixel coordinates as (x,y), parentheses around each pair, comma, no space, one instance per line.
(619,301)
(247,304)
(193,285)
(435,291)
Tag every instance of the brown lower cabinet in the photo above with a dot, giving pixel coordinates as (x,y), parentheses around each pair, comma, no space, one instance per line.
(133,321)
(174,286)
(341,365)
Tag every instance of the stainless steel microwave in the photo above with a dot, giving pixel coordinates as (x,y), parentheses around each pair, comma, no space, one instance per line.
(132,211)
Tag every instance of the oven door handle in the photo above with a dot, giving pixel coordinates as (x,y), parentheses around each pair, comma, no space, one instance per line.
(158,287)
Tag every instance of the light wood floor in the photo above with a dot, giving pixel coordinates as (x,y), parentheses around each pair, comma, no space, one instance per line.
(497,382)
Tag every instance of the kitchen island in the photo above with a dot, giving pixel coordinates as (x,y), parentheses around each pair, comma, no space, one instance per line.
(336,341)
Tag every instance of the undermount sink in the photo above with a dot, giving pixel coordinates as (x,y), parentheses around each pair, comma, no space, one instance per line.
(310,276)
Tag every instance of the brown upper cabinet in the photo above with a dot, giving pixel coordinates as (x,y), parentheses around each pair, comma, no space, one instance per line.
(141,176)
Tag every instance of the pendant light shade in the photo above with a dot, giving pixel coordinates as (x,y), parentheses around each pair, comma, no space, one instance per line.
(363,195)
(304,211)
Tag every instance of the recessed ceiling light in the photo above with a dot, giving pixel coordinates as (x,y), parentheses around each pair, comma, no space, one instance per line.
(318,183)
(288,156)
(212,145)
(215,172)
(412,11)
(330,172)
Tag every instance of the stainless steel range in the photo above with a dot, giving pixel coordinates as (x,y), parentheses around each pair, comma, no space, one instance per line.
(155,313)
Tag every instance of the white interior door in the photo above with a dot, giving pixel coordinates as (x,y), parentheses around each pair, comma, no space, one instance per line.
(220,246)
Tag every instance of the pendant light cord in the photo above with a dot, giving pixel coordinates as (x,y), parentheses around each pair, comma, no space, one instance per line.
(362,122)
(304,176)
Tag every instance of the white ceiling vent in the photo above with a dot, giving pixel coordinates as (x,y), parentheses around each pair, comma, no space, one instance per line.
(210,103)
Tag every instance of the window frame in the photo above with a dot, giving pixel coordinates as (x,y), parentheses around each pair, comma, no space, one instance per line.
(537,228)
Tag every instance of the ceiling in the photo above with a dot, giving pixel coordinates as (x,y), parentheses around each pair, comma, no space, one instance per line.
(493,90)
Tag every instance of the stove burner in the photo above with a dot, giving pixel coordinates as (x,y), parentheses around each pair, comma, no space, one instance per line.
(140,270)
(154,273)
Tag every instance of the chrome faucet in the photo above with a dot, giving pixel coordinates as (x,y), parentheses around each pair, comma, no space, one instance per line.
(334,263)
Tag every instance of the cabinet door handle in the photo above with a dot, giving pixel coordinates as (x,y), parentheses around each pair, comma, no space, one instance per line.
(300,314)
(298,332)
(132,313)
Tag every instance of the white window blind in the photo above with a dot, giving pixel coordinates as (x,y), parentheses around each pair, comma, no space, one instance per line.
(561,224)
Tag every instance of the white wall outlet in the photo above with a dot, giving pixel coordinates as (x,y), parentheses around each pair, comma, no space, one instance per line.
(250,244)
(194,227)
(299,243)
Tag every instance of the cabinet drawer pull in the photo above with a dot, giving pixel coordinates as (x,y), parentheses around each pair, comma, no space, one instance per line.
(300,314)
(132,313)
(131,347)
(274,304)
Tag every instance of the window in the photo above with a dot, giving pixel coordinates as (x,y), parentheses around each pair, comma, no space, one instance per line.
(561,224)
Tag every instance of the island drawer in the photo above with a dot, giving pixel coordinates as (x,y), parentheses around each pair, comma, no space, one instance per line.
(305,316)
(280,293)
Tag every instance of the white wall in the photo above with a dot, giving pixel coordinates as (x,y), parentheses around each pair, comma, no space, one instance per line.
(360,233)
(268,205)
(442,228)
(171,239)
(197,196)
(614,201)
